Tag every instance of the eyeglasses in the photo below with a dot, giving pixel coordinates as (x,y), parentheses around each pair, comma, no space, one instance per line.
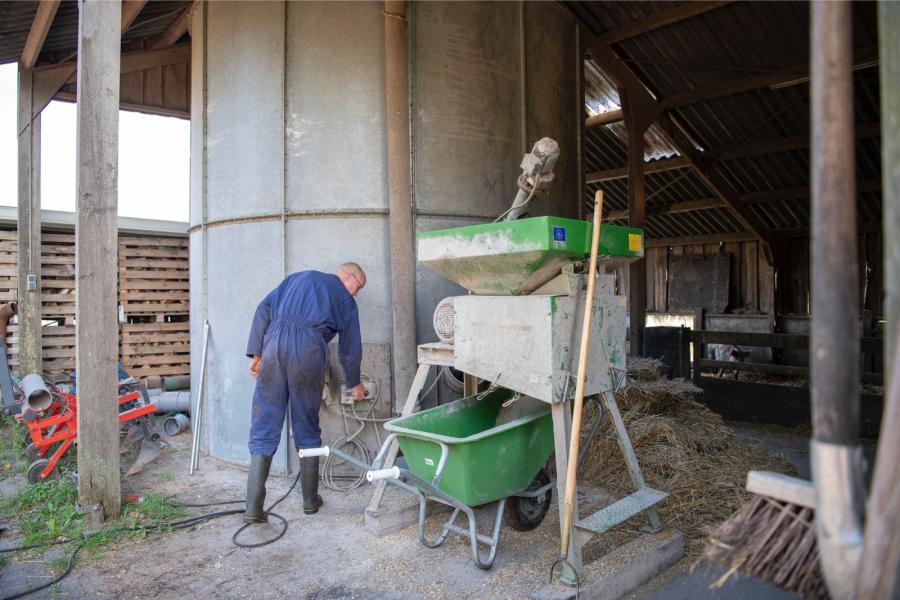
(353,275)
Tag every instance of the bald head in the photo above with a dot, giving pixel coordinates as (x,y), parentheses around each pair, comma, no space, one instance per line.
(352,276)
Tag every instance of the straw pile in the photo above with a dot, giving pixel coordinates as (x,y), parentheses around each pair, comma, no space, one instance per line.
(683,448)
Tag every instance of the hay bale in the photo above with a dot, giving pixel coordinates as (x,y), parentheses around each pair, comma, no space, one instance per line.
(683,448)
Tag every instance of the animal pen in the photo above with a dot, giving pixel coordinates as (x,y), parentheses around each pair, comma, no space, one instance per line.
(528,186)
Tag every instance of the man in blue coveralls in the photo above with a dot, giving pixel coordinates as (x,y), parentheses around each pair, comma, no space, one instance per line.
(288,351)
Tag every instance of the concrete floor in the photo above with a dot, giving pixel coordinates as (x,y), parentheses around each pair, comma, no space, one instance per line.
(332,556)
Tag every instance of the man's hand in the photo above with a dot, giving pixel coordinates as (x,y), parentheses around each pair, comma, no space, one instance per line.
(359,393)
(254,366)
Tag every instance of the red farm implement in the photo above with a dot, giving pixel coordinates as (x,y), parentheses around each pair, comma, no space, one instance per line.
(54,429)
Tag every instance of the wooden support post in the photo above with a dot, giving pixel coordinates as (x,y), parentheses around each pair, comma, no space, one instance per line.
(29,229)
(96,258)
(697,345)
(636,125)
(879,573)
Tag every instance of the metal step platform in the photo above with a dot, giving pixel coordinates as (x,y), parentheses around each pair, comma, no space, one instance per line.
(620,511)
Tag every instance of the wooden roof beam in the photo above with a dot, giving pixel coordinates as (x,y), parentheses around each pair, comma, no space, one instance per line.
(663,18)
(654,166)
(714,181)
(669,209)
(798,74)
(130,10)
(796,142)
(40,27)
(177,29)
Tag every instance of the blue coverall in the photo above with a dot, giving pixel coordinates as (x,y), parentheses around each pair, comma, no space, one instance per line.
(291,330)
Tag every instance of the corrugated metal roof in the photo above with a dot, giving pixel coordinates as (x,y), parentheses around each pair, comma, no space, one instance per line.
(729,43)
(62,39)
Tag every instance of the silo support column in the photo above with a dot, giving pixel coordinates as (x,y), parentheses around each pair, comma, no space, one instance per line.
(96,238)
(401,228)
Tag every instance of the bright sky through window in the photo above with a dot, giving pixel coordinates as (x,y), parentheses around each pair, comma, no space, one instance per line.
(154,158)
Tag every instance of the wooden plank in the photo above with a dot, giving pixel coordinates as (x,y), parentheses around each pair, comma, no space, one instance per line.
(784,370)
(650,259)
(184,369)
(653,166)
(699,239)
(135,328)
(99,484)
(43,18)
(712,249)
(750,277)
(662,18)
(662,273)
(733,250)
(133,241)
(799,277)
(143,284)
(766,281)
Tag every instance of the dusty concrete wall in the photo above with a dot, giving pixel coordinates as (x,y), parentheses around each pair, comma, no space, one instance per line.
(483,94)
(288,158)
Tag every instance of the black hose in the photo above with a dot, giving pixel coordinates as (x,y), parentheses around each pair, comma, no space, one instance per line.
(170,526)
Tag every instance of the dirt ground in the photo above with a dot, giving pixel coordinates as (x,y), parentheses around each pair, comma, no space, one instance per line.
(326,556)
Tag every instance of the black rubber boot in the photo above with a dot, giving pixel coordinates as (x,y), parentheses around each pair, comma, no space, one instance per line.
(256,488)
(309,484)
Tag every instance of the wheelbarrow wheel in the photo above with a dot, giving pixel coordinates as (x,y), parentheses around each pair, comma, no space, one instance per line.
(524,514)
(34,471)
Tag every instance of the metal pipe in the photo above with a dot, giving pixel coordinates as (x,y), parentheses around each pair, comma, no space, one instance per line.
(400,221)
(835,456)
(198,414)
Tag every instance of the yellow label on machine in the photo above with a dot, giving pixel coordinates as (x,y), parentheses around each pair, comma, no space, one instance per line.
(634,242)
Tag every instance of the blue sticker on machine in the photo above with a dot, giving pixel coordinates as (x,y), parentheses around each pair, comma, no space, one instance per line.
(559,234)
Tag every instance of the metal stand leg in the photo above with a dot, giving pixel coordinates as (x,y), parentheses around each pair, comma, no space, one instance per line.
(411,398)
(562,426)
(634,469)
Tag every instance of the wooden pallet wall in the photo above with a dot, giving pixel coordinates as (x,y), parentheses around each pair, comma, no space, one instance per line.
(752,281)
(153,297)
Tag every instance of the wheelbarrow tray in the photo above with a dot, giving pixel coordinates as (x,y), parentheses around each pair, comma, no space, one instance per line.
(486,461)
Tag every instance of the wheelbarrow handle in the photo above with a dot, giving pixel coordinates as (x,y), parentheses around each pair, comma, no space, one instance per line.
(392,473)
(310,452)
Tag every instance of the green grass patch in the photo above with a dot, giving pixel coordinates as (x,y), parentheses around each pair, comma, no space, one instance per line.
(12,443)
(45,512)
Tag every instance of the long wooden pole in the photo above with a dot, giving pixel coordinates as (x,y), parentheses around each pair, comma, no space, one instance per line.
(575,437)
(96,235)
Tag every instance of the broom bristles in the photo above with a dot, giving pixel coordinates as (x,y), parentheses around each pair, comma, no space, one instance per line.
(771,540)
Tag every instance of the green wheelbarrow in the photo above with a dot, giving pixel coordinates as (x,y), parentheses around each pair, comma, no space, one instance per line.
(477,450)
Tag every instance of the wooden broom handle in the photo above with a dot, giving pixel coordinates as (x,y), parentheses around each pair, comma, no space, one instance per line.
(575,438)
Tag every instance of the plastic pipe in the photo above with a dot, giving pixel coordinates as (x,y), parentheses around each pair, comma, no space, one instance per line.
(36,393)
(167,402)
(175,424)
